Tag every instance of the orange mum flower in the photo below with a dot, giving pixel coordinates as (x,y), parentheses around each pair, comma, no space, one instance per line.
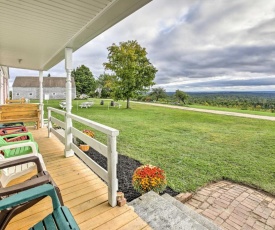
(149,177)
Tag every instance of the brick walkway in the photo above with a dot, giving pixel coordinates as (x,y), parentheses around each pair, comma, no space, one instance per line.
(233,206)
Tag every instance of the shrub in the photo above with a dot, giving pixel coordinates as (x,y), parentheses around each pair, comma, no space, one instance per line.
(149,177)
(90,133)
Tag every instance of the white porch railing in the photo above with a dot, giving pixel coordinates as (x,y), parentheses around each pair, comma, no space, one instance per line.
(109,150)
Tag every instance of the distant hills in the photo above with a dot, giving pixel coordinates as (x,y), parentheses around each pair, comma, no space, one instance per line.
(231,93)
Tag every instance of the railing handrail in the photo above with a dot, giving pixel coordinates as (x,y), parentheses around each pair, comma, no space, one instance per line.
(109,150)
(57,111)
(102,128)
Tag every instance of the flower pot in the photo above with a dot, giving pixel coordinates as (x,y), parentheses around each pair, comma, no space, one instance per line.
(84,147)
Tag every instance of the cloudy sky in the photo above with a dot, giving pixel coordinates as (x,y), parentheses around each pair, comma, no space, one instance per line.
(206,45)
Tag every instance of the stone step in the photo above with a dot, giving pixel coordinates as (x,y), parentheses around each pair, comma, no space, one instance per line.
(161,214)
(191,213)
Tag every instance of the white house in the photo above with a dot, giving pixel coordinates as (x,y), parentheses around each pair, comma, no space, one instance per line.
(28,87)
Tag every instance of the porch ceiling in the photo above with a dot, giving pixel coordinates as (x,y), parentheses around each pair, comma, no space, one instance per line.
(34,33)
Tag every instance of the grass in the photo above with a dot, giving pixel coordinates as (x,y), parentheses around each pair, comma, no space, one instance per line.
(193,148)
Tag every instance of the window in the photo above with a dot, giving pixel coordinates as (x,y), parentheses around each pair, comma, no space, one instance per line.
(17,94)
(30,94)
(53,93)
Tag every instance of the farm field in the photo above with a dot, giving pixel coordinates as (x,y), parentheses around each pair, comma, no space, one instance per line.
(262,113)
(193,148)
(197,106)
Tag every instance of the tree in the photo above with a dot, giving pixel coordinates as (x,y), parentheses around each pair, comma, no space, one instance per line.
(104,83)
(158,93)
(84,80)
(181,96)
(133,72)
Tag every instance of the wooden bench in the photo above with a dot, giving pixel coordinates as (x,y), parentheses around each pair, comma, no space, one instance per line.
(20,112)
(19,101)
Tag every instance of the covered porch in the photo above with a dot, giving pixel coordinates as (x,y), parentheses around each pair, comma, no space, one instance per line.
(83,192)
(37,35)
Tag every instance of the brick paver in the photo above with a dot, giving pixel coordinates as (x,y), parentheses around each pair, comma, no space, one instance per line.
(234,206)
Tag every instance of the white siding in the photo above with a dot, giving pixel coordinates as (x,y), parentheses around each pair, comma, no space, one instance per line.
(54,93)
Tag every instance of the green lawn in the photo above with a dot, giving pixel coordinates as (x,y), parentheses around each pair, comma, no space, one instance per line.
(193,148)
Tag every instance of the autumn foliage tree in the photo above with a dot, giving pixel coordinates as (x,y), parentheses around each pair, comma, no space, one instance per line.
(133,72)
(105,82)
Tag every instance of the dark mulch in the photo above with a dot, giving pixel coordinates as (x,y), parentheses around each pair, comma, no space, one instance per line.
(125,169)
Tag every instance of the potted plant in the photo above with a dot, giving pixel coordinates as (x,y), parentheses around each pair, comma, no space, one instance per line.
(149,177)
(82,145)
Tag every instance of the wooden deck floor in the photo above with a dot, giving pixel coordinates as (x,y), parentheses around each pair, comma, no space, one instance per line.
(83,193)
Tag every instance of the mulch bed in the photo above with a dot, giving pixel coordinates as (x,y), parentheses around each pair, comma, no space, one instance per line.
(125,169)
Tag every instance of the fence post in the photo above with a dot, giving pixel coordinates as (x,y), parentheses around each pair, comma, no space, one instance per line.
(112,170)
(49,122)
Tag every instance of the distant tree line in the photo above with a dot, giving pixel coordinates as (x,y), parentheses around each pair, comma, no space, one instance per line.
(160,95)
(240,100)
(260,101)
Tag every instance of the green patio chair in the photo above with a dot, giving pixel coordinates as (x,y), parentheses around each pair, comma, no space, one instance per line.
(9,140)
(60,218)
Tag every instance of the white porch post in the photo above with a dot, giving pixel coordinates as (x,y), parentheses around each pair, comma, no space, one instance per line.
(7,96)
(68,121)
(2,98)
(41,99)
